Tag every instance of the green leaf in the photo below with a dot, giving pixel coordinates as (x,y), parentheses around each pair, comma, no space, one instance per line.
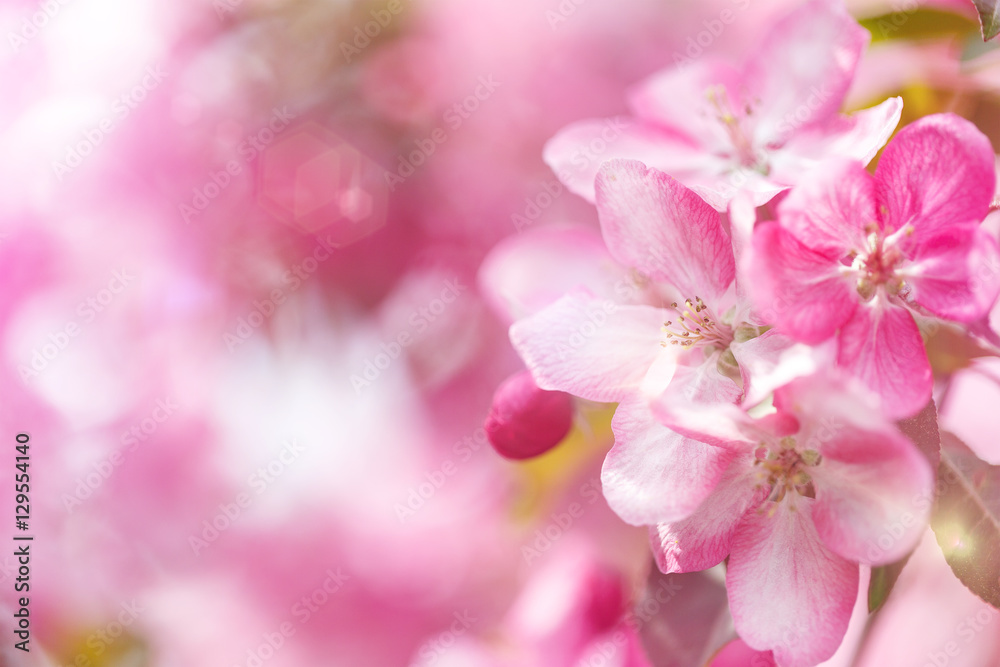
(882,581)
(989,17)
(918,24)
(966,518)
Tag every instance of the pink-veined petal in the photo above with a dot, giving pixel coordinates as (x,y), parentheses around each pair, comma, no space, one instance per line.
(788,592)
(577,151)
(873,492)
(700,404)
(590,348)
(654,475)
(958,276)
(652,222)
(801,290)
(802,70)
(881,346)
(829,209)
(936,173)
(704,539)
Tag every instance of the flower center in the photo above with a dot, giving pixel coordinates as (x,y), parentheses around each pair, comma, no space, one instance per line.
(736,130)
(783,468)
(696,325)
(876,266)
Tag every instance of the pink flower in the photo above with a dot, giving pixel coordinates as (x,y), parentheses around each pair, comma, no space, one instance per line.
(601,350)
(820,484)
(721,129)
(858,255)
(598,349)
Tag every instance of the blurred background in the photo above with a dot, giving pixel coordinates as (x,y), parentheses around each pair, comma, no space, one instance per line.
(244,325)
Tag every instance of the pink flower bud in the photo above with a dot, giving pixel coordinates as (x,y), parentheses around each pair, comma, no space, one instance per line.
(526,421)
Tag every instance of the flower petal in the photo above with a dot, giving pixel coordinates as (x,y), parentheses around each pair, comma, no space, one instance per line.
(829,209)
(687,99)
(803,68)
(788,592)
(936,173)
(856,136)
(796,287)
(652,222)
(654,475)
(526,272)
(769,361)
(577,151)
(958,275)
(874,486)
(881,346)
(737,654)
(719,182)
(588,347)
(873,493)
(700,404)
(704,539)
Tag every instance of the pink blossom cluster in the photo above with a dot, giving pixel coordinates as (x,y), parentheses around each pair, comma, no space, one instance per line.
(757,304)
(343,337)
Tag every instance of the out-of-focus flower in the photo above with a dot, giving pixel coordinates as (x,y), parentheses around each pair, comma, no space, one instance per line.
(721,129)
(571,612)
(956,628)
(857,254)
